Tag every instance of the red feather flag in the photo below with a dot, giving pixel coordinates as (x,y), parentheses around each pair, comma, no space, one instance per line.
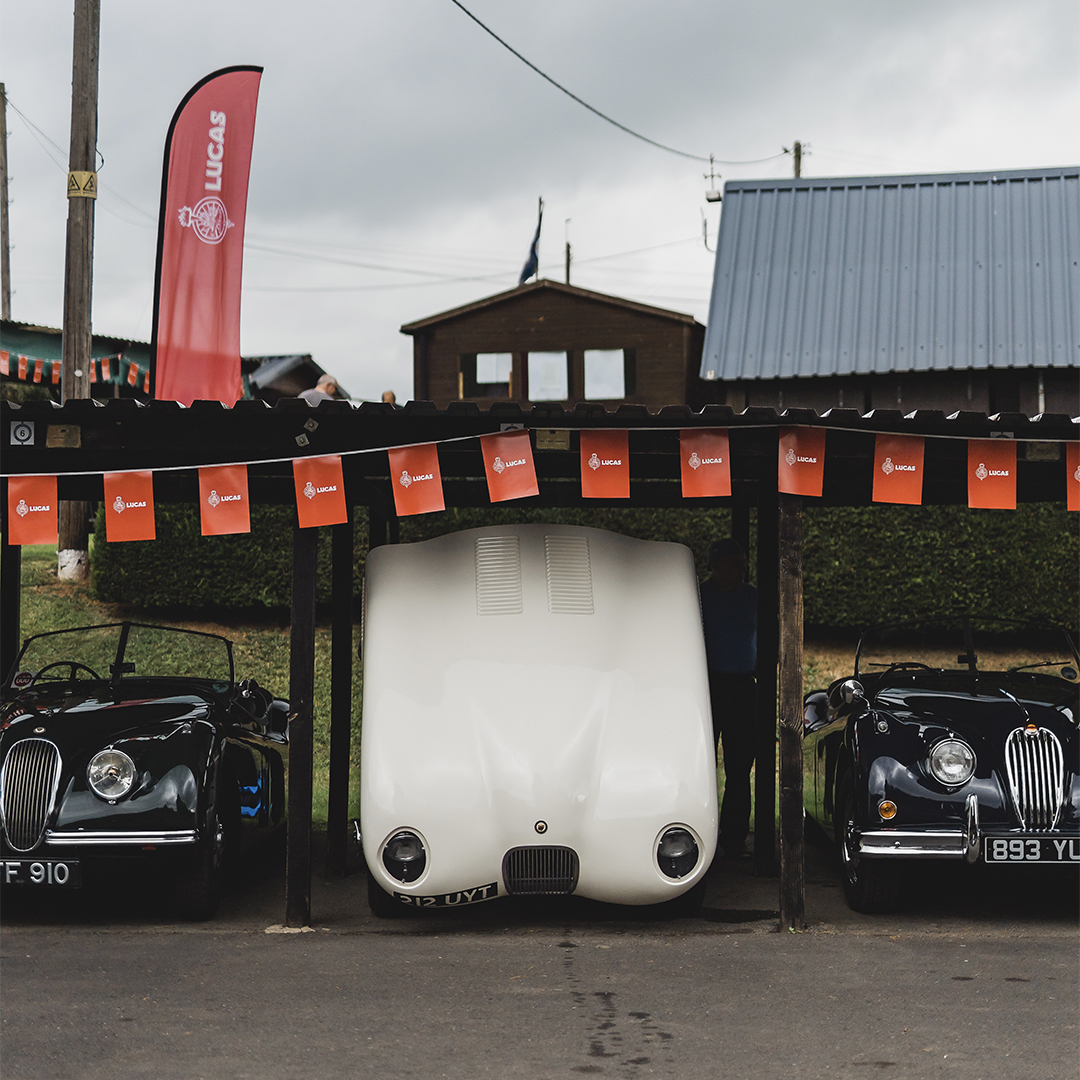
(204,190)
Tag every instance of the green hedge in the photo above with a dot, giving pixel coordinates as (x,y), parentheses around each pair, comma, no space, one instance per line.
(184,569)
(860,564)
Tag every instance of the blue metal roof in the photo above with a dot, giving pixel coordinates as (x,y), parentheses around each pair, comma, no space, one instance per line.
(840,276)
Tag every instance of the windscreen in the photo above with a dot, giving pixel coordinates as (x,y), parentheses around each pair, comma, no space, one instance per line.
(152,652)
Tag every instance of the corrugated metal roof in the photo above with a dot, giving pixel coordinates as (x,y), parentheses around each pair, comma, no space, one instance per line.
(841,276)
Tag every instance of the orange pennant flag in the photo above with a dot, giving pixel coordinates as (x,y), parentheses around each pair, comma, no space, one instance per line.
(129,506)
(32,508)
(706,468)
(605,465)
(320,491)
(992,474)
(223,500)
(417,480)
(508,463)
(898,469)
(801,464)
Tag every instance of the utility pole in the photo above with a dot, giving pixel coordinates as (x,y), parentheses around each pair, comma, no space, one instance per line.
(73,563)
(566,227)
(797,152)
(5,236)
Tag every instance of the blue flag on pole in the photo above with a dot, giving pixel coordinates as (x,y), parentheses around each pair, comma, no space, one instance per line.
(532,263)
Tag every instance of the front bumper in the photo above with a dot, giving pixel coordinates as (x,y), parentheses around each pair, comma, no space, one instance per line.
(960,842)
(125,838)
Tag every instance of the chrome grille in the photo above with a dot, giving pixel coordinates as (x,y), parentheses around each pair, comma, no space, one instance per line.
(28,785)
(1036,768)
(540,871)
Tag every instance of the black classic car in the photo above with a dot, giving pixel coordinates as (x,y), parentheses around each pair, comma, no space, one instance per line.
(954,739)
(134,741)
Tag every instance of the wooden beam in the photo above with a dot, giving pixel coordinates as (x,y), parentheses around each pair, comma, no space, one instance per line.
(341,670)
(768,646)
(301,727)
(792,851)
(10,594)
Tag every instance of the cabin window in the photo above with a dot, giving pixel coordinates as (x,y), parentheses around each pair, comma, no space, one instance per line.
(485,375)
(493,374)
(605,374)
(548,376)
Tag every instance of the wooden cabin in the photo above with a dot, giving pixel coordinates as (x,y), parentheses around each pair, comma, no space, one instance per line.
(546,341)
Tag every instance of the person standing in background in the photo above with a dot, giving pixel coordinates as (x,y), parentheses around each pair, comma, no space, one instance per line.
(729,616)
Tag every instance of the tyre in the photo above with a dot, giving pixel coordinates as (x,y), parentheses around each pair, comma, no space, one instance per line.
(200,881)
(686,906)
(870,885)
(382,904)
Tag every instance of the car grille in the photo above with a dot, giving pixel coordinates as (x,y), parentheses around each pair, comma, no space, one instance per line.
(540,871)
(28,785)
(1036,768)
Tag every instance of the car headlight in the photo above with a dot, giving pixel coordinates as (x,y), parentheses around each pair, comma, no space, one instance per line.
(677,852)
(110,774)
(952,762)
(404,856)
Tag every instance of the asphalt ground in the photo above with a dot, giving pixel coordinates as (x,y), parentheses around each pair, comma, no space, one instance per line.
(975,975)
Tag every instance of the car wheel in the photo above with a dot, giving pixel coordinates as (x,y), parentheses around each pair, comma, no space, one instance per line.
(382,904)
(869,884)
(686,906)
(201,880)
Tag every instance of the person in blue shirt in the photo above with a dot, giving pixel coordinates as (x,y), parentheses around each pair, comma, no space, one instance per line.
(729,616)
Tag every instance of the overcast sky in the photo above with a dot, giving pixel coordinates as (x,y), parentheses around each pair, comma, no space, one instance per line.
(400,150)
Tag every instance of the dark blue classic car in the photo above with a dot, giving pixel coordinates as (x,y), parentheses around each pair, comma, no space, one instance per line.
(953,739)
(132,741)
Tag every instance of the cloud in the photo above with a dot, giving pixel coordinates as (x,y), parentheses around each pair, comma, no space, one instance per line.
(402,136)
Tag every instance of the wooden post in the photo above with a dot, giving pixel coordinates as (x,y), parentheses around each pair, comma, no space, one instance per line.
(5,239)
(768,646)
(73,545)
(301,727)
(10,594)
(378,526)
(341,670)
(740,524)
(792,853)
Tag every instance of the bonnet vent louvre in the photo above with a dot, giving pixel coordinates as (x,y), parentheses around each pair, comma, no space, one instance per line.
(498,575)
(569,575)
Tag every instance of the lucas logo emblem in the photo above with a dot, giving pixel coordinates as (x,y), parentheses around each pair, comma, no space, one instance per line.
(209,220)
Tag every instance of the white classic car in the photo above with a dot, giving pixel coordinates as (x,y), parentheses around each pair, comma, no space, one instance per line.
(535,720)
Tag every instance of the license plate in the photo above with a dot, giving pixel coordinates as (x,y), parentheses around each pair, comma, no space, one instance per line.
(63,873)
(454,899)
(1031,849)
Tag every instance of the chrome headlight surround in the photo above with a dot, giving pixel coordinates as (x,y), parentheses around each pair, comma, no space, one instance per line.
(951,762)
(111,775)
(404,856)
(678,852)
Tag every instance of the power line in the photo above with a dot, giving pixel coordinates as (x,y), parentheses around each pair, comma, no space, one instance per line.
(597,112)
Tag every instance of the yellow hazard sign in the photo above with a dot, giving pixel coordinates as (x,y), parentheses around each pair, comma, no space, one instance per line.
(82,185)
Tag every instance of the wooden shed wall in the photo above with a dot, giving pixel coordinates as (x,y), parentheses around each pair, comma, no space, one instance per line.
(666,351)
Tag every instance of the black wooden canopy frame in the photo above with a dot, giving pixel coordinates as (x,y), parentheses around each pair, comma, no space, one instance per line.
(82,440)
